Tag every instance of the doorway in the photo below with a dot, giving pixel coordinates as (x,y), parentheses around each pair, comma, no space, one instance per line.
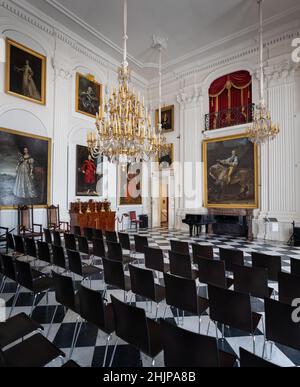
(164,203)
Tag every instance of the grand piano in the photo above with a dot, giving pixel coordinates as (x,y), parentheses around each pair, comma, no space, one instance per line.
(195,223)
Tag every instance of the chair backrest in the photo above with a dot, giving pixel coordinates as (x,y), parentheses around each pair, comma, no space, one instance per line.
(64,290)
(8,267)
(25,218)
(231,257)
(295,266)
(202,251)
(114,251)
(83,245)
(97,234)
(88,233)
(98,248)
(30,247)
(59,258)
(10,241)
(19,244)
(75,264)
(132,215)
(249,360)
(76,230)
(114,273)
(131,325)
(180,265)
(70,242)
(24,275)
(56,238)
(230,308)
(183,348)
(212,272)
(48,236)
(181,293)
(91,306)
(288,288)
(180,247)
(142,282)
(53,216)
(111,236)
(44,252)
(154,259)
(140,243)
(280,327)
(124,241)
(270,262)
(251,280)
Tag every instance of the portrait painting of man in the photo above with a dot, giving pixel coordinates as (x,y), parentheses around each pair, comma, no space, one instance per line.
(230,173)
(167,118)
(88,95)
(25,73)
(130,183)
(89,173)
(25,166)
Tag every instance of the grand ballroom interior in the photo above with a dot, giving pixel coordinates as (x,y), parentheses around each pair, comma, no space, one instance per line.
(149,184)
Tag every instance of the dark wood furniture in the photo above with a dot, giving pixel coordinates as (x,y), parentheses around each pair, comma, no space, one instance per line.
(54,222)
(26,226)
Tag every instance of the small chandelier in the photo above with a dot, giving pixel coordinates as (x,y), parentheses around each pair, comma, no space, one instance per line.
(262,129)
(124,132)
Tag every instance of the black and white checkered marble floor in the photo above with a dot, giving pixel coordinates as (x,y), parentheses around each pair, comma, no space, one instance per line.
(91,343)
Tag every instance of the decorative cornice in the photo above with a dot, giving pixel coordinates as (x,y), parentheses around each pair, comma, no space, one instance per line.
(190,99)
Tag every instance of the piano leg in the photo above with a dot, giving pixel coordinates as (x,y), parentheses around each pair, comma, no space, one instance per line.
(191,230)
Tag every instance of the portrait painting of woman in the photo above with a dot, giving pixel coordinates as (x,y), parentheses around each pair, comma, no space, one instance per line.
(25,73)
(25,169)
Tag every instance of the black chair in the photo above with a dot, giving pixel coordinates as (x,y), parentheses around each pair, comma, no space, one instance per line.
(34,352)
(77,267)
(136,329)
(19,245)
(57,238)
(233,309)
(88,233)
(10,243)
(280,327)
(270,262)
(36,285)
(71,364)
(97,234)
(93,310)
(181,293)
(48,236)
(30,248)
(8,270)
(114,276)
(70,242)
(252,280)
(181,265)
(17,328)
(3,238)
(59,258)
(231,257)
(212,272)
(83,246)
(111,236)
(295,266)
(180,247)
(187,349)
(202,251)
(44,254)
(140,243)
(77,230)
(248,360)
(154,260)
(115,253)
(125,242)
(99,248)
(143,284)
(288,288)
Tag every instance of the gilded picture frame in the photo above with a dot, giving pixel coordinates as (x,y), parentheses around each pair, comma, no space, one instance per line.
(88,95)
(39,156)
(230,171)
(25,73)
(166,159)
(167,118)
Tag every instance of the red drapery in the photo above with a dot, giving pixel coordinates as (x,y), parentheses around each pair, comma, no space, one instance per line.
(231,91)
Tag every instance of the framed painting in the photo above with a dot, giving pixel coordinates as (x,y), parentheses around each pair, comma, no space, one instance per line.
(89,173)
(25,169)
(88,95)
(25,73)
(230,172)
(166,158)
(167,118)
(130,185)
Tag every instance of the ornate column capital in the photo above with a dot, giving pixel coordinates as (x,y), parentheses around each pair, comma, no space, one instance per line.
(60,71)
(190,98)
(280,73)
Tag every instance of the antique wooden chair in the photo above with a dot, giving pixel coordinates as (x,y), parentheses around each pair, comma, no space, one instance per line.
(54,222)
(3,237)
(26,226)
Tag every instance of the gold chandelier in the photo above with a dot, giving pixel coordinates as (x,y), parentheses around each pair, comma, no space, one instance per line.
(124,132)
(262,129)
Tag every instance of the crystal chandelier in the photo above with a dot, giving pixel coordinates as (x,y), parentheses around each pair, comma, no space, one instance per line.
(262,129)
(124,132)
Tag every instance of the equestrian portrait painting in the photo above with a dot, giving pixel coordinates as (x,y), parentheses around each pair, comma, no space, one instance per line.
(25,73)
(88,95)
(25,169)
(230,173)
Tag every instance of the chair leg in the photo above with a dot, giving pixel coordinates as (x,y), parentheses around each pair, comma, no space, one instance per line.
(34,301)
(113,354)
(15,300)
(165,312)
(253,339)
(74,336)
(76,339)
(217,336)
(54,314)
(199,325)
(3,283)
(106,350)
(157,308)
(264,349)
